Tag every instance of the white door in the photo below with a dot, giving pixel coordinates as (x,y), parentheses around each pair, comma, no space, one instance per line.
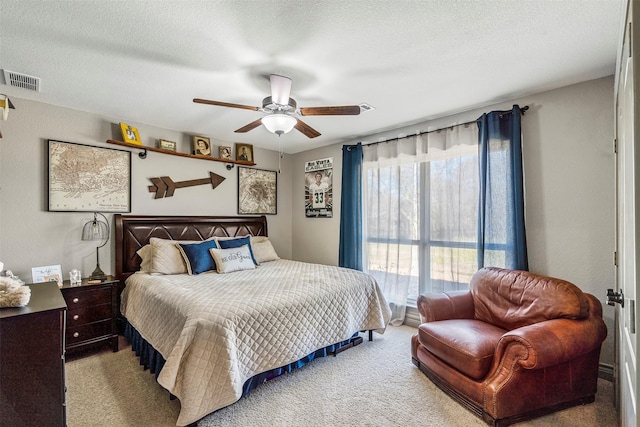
(628,223)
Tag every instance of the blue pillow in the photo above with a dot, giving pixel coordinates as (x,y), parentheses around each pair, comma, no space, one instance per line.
(197,256)
(236,243)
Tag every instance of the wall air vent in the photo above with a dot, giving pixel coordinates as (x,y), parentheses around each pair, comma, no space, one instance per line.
(22,81)
(366,107)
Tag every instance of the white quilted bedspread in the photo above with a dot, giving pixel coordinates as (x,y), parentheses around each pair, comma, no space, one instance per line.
(215,331)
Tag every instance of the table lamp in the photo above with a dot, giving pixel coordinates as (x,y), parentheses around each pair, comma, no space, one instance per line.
(97,230)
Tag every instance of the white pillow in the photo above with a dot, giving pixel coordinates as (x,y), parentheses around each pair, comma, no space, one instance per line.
(263,250)
(232,259)
(258,239)
(146,253)
(166,257)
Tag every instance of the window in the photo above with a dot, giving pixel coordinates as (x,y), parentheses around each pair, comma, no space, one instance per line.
(421,222)
(428,197)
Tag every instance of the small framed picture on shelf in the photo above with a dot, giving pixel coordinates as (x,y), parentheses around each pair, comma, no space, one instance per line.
(47,273)
(244,152)
(224,152)
(130,134)
(201,145)
(166,145)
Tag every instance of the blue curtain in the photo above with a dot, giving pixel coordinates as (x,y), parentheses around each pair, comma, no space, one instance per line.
(501,210)
(350,252)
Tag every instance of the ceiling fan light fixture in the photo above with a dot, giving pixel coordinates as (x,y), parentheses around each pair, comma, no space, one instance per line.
(279,123)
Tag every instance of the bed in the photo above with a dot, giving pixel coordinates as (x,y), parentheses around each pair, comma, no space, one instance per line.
(211,337)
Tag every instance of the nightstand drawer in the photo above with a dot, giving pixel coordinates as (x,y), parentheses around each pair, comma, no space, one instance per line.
(77,298)
(88,332)
(82,316)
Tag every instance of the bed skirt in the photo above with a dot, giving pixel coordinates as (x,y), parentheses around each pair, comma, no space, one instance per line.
(151,359)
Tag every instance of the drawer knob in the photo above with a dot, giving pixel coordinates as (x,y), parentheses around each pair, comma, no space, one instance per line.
(75,300)
(76,317)
(76,335)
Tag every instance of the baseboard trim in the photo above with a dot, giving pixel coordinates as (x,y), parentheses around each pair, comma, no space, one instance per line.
(412,317)
(605,371)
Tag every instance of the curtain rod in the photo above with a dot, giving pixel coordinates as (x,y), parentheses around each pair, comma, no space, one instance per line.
(522,110)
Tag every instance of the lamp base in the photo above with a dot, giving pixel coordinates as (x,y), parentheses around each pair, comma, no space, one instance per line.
(98,274)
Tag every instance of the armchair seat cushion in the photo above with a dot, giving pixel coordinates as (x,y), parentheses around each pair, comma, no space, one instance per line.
(467,345)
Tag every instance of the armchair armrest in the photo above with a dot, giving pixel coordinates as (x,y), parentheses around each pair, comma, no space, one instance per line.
(446,305)
(551,342)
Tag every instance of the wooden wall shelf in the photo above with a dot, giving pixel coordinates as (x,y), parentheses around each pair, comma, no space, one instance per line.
(144,148)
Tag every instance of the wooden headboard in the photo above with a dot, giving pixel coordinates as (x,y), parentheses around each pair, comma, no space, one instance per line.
(134,231)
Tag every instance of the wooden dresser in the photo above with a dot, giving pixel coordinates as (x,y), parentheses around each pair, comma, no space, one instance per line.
(32,390)
(91,316)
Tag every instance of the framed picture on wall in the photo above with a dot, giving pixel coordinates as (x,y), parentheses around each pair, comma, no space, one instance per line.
(201,145)
(167,145)
(84,178)
(224,152)
(130,134)
(257,191)
(244,152)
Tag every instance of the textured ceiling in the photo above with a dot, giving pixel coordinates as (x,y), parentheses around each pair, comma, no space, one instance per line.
(142,62)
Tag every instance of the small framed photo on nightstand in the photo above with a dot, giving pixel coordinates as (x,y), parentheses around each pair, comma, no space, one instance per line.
(47,273)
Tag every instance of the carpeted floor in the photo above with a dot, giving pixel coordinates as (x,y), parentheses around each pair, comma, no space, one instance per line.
(373,384)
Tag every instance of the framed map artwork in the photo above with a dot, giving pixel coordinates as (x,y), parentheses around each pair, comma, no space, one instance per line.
(83,178)
(257,191)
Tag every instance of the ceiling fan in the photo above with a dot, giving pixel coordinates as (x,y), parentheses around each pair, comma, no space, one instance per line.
(282,109)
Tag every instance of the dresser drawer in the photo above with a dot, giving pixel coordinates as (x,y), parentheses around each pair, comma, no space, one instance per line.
(88,332)
(84,315)
(87,297)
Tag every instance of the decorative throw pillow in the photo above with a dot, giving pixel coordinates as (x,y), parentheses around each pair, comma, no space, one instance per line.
(197,257)
(236,243)
(263,251)
(166,258)
(233,259)
(146,254)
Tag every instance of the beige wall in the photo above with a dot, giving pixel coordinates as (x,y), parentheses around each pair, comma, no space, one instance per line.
(32,236)
(569,180)
(568,163)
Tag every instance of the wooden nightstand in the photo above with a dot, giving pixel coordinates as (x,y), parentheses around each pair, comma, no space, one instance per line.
(91,314)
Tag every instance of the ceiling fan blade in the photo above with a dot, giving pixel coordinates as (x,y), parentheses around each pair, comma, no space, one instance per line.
(345,110)
(280,89)
(225,104)
(306,129)
(246,128)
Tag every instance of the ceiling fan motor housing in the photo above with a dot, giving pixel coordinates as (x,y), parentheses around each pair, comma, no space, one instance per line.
(269,105)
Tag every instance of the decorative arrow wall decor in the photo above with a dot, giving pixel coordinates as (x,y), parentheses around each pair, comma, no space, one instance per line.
(164,186)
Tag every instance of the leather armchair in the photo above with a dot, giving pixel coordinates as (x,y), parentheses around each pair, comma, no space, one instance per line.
(515,346)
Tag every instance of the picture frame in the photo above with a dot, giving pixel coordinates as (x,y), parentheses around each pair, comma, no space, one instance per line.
(224,152)
(201,145)
(85,178)
(244,152)
(318,188)
(130,134)
(167,145)
(257,191)
(47,273)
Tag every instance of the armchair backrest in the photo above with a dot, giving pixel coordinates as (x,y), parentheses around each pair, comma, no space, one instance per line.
(511,299)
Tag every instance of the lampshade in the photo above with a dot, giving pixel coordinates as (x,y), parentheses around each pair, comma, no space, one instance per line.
(97,230)
(279,123)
